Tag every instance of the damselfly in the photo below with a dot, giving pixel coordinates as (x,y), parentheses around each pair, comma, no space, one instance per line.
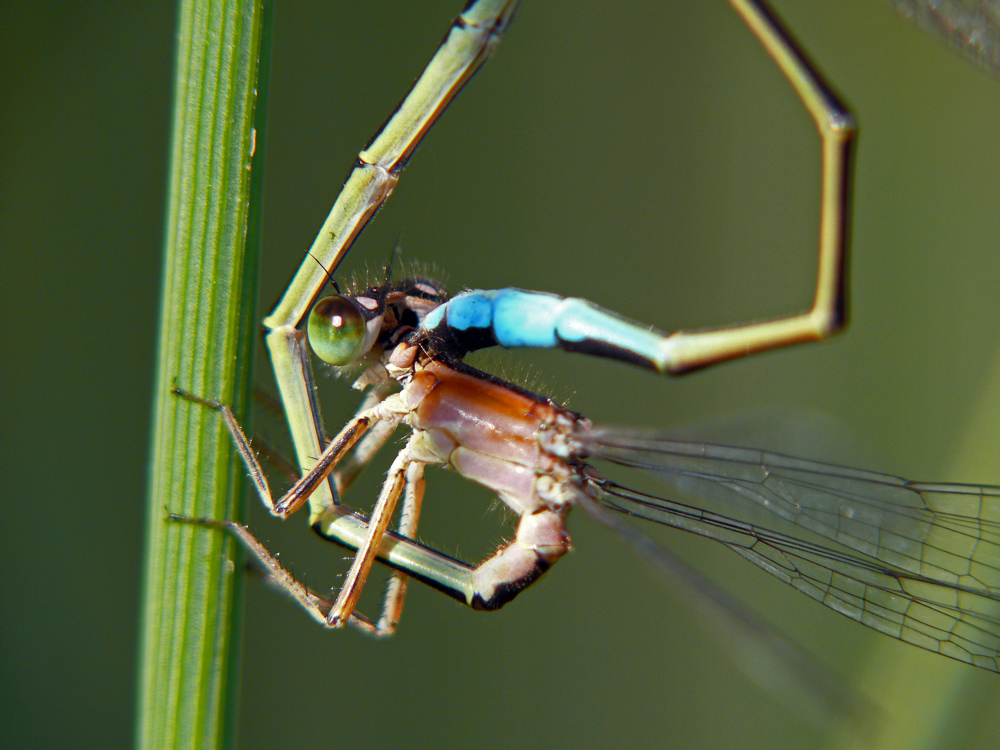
(916,561)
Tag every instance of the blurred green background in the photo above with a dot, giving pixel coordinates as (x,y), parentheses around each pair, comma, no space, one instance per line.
(647,157)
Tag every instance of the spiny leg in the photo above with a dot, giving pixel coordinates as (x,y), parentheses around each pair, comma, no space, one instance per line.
(395,592)
(382,514)
(349,467)
(470,42)
(366,448)
(307,484)
(276,574)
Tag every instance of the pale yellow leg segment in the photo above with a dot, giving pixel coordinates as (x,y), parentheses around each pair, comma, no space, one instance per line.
(687,350)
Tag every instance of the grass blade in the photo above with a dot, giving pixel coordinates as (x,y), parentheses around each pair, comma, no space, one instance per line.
(190,628)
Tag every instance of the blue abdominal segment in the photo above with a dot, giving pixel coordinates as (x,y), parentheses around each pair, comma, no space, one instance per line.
(515,318)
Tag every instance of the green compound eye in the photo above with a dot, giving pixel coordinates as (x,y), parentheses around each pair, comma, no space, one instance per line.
(337,330)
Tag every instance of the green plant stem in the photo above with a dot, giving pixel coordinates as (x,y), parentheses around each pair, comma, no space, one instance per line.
(190,627)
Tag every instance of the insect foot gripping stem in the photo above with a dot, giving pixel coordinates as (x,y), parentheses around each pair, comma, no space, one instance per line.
(541,540)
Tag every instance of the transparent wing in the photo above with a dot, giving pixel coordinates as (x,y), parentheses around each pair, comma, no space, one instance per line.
(917,561)
(972,27)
